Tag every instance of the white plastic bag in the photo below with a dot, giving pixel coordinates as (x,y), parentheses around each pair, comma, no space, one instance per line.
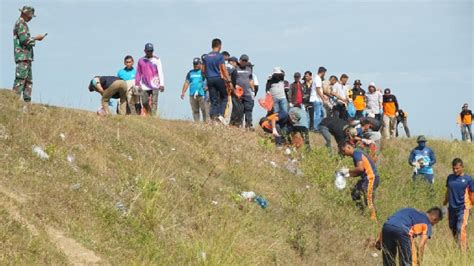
(340,181)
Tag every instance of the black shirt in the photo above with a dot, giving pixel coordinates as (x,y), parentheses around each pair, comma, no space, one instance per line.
(106,81)
(336,127)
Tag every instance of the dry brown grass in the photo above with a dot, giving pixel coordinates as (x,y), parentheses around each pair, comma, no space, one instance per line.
(167,174)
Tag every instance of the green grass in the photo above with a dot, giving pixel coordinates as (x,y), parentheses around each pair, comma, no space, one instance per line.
(169,174)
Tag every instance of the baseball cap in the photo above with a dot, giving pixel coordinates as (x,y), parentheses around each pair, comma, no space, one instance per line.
(225,53)
(297,75)
(421,139)
(196,61)
(357,82)
(387,91)
(244,57)
(233,59)
(28,9)
(372,84)
(149,47)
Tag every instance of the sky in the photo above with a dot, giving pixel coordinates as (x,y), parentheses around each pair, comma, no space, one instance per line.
(422,50)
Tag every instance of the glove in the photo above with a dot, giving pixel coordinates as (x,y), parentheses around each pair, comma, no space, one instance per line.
(275,133)
(367,141)
(345,171)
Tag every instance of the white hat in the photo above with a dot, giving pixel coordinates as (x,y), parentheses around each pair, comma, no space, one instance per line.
(372,84)
(277,70)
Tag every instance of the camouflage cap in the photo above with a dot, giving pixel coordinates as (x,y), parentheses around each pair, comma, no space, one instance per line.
(28,9)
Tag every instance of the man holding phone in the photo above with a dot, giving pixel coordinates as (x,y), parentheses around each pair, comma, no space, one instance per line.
(23,45)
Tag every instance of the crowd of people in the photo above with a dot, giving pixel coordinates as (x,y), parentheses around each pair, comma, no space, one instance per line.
(222,89)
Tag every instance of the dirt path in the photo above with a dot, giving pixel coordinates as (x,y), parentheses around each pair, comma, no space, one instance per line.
(76,253)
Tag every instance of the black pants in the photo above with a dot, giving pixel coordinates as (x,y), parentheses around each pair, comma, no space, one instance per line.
(340,111)
(395,239)
(248,102)
(310,110)
(359,114)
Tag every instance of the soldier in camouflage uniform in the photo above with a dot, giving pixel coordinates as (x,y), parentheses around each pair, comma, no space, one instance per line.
(23,49)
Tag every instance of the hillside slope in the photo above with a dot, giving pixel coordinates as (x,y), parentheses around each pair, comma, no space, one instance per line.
(141,190)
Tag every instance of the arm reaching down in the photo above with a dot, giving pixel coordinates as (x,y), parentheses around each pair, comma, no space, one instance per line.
(358,170)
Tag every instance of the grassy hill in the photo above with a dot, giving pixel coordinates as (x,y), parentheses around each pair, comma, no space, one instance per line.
(145,190)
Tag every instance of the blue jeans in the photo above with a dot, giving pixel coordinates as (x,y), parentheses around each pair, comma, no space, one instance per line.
(280,104)
(466,131)
(318,113)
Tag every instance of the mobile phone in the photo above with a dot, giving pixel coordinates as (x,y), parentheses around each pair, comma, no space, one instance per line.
(46,34)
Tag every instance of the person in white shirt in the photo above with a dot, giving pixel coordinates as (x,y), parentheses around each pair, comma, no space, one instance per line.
(340,90)
(374,102)
(317,97)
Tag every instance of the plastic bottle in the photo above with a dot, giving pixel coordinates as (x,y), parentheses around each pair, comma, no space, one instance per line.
(261,201)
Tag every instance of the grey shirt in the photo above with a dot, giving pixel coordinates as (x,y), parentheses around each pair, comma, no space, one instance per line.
(244,76)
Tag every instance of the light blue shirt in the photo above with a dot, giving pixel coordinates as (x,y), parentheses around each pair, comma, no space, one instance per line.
(127,74)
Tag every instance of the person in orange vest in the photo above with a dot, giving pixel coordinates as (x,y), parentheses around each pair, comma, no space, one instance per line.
(358,98)
(390,108)
(466,122)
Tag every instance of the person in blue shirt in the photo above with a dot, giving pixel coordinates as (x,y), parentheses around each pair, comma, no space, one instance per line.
(195,82)
(369,178)
(128,74)
(218,80)
(399,231)
(460,198)
(422,159)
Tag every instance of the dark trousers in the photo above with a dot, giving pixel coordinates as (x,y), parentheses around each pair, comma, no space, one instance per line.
(363,194)
(310,110)
(395,239)
(359,114)
(379,117)
(405,127)
(428,177)
(218,96)
(339,110)
(457,223)
(150,101)
(326,135)
(248,102)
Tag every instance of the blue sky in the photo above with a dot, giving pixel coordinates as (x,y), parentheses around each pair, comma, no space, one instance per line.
(422,50)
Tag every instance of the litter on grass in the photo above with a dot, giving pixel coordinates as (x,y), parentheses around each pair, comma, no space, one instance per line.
(70,158)
(76,186)
(40,153)
(248,195)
